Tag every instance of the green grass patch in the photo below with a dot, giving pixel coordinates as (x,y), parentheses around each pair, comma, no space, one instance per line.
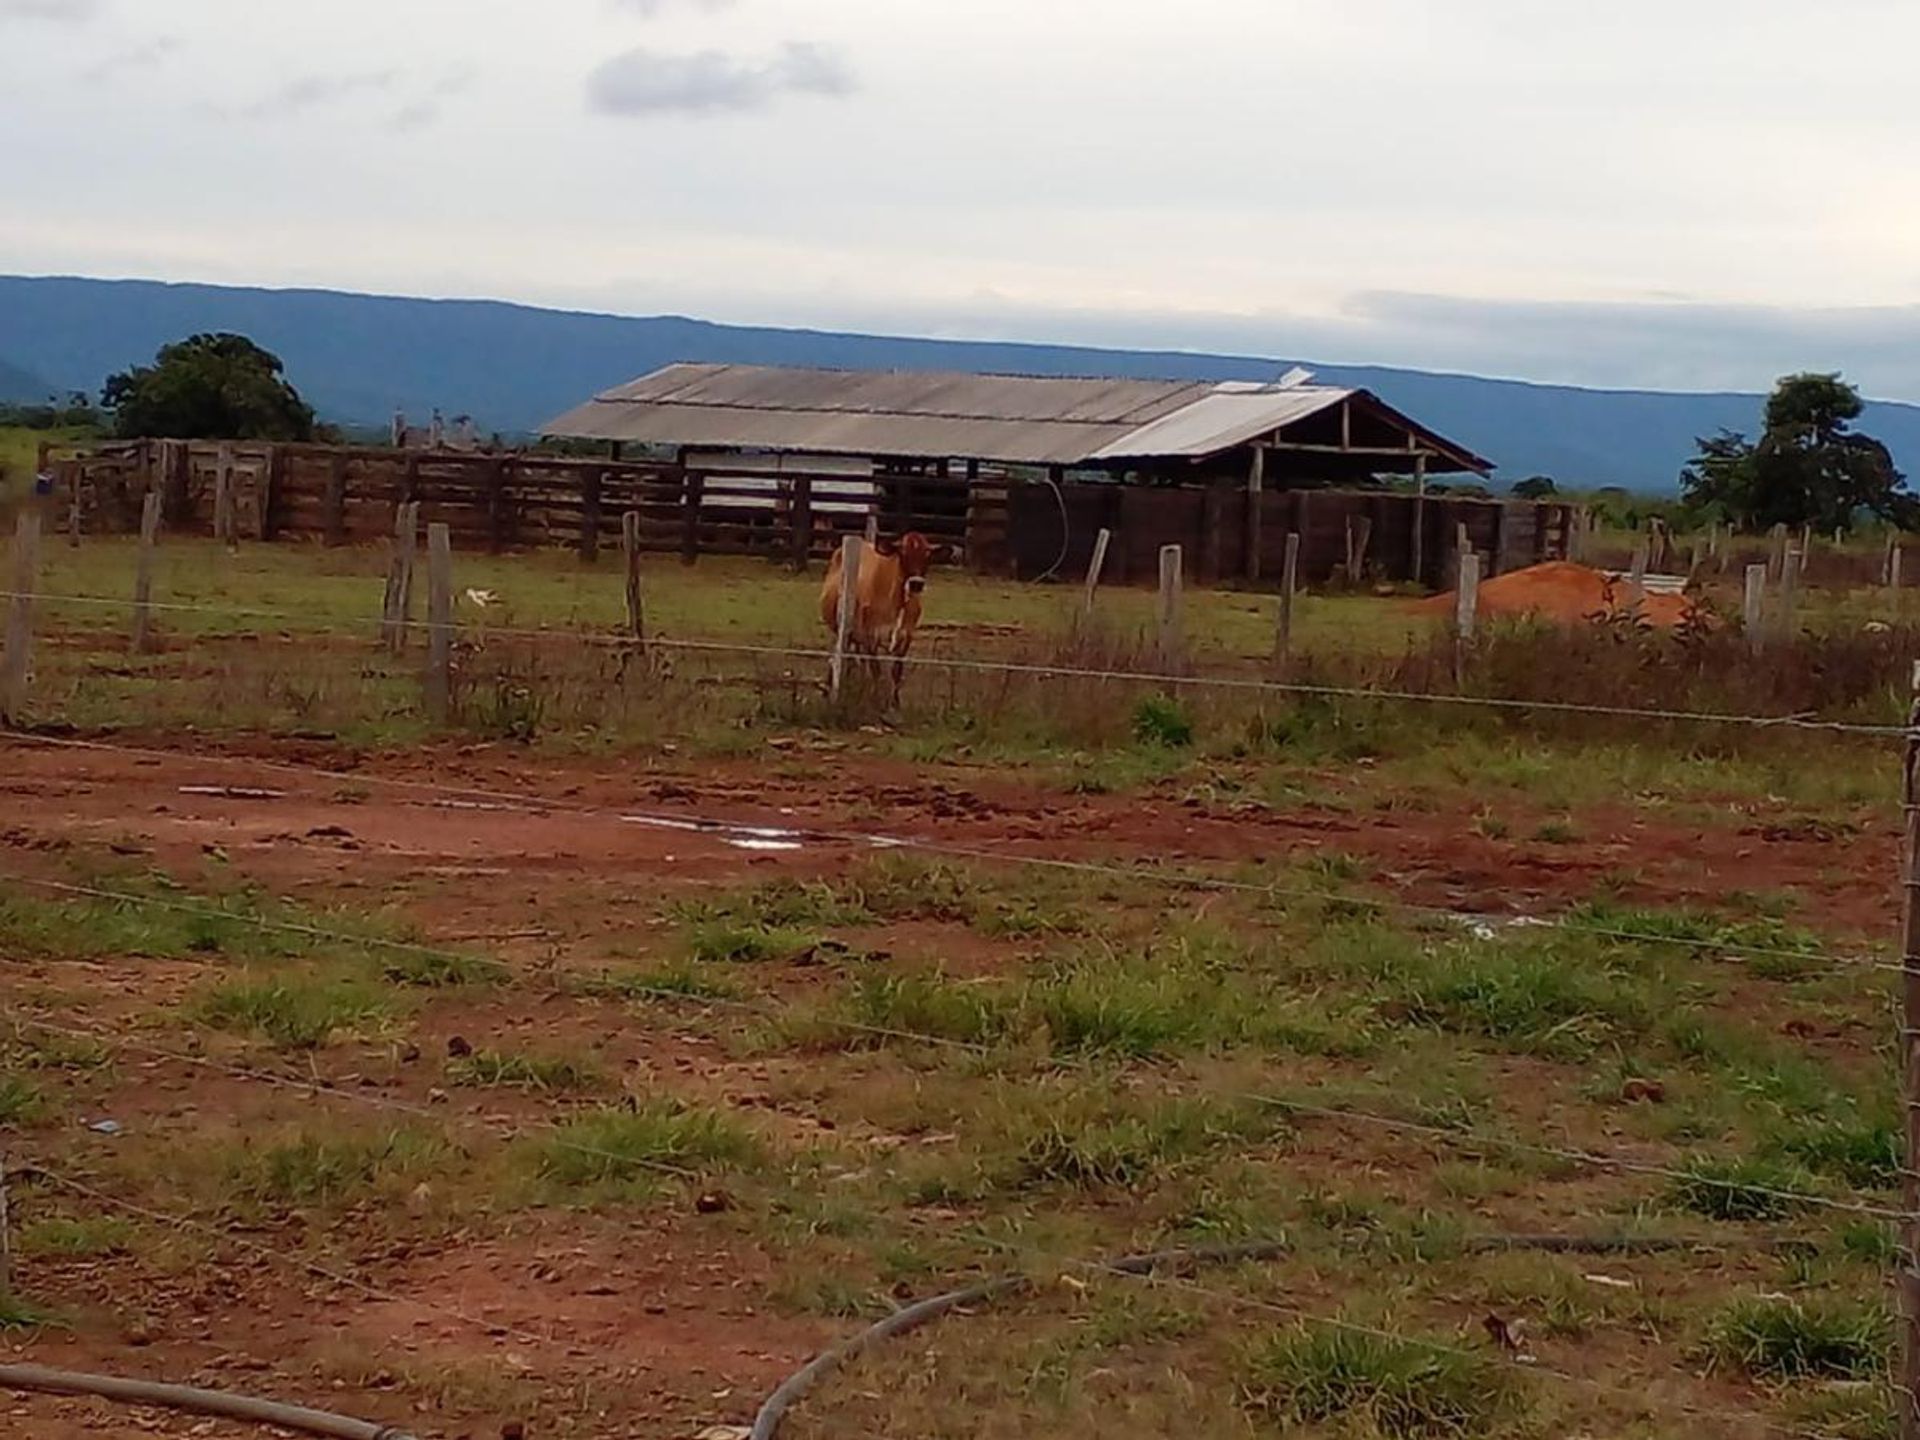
(624,1145)
(492,1070)
(678,980)
(1788,1339)
(1772,948)
(440,970)
(1752,1188)
(1538,997)
(1398,1387)
(316,1170)
(75,1237)
(20,1099)
(1088,1142)
(294,1012)
(1865,1154)
(734,942)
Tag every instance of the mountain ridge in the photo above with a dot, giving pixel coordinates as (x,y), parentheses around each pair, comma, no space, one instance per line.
(358,357)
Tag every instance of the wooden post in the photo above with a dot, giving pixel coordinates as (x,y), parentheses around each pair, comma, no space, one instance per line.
(143,574)
(1806,546)
(333,504)
(273,472)
(1909,1257)
(439,622)
(1886,559)
(1172,629)
(6,1235)
(800,525)
(1893,573)
(1417,565)
(1466,599)
(1095,567)
(1462,547)
(1637,579)
(26,576)
(1753,614)
(630,549)
(73,469)
(692,488)
(1789,579)
(1289,586)
(1497,561)
(1256,506)
(852,549)
(1777,561)
(873,529)
(496,488)
(399,598)
(224,527)
(590,515)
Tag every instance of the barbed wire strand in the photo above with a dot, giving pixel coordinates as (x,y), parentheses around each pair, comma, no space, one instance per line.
(1458,1137)
(1176,680)
(536,805)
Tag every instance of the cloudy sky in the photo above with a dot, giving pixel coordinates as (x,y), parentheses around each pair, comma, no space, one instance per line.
(1691,193)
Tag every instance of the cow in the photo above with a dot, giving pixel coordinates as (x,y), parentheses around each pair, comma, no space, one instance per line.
(887,598)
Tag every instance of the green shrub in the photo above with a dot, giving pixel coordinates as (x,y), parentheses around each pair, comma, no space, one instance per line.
(1162,720)
(616,1145)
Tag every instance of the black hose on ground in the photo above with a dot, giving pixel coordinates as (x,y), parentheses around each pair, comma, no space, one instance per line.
(766,1424)
(198,1402)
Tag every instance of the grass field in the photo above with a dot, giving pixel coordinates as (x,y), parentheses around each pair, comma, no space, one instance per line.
(475,1115)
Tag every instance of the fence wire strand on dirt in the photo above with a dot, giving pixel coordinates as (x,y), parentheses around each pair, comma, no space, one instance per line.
(1243,684)
(1458,1137)
(537,804)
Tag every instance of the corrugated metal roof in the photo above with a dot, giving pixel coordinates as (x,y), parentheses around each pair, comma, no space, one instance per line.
(1010,419)
(1221,420)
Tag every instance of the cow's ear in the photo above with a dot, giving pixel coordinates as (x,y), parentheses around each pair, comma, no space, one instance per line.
(886,548)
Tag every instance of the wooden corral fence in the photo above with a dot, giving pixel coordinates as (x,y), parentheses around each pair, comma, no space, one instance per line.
(1002,524)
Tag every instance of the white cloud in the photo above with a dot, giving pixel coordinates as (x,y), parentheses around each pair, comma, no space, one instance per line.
(304,92)
(66,11)
(135,57)
(649,82)
(651,9)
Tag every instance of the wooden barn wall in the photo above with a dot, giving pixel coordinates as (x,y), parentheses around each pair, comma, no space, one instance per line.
(337,495)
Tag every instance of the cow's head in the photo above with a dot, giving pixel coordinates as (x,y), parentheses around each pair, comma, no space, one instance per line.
(917,556)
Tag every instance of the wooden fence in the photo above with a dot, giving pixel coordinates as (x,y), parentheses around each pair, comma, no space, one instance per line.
(997,524)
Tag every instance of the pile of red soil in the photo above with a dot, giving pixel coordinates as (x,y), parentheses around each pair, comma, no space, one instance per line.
(1564,592)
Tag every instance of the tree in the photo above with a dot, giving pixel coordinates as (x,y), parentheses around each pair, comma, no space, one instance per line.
(1808,468)
(1535,487)
(209,387)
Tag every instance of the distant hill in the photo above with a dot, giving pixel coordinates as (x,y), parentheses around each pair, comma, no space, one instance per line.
(358,357)
(20,385)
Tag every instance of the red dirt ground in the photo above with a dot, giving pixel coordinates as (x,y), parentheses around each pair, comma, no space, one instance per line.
(669,1314)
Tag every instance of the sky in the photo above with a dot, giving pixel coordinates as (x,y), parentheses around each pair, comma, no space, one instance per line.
(1691,194)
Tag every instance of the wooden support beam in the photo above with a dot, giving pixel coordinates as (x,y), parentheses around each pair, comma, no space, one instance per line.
(1171,630)
(333,502)
(1289,586)
(439,684)
(630,551)
(1094,569)
(1256,510)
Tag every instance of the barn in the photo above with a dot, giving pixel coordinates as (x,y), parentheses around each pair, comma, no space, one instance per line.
(1023,471)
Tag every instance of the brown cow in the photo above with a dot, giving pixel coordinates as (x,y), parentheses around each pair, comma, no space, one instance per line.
(887,598)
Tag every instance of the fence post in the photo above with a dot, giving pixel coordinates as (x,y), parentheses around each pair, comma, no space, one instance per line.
(590,516)
(6,1235)
(143,574)
(225,526)
(1466,600)
(333,505)
(73,512)
(399,600)
(1892,549)
(1789,577)
(1909,1277)
(1094,569)
(1777,560)
(800,524)
(439,622)
(851,551)
(26,574)
(1893,574)
(1289,586)
(693,486)
(1256,509)
(1172,630)
(1637,579)
(1753,614)
(630,551)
